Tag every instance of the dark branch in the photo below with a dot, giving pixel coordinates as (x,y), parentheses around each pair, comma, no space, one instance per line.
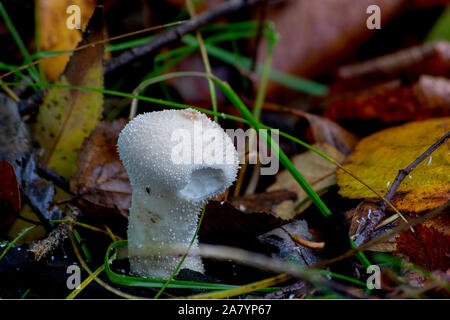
(52,176)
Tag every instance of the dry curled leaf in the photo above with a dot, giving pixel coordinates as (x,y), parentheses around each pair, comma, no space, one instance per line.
(101,181)
(378,158)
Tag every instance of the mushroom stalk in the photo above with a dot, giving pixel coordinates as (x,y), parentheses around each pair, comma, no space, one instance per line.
(176,160)
(155,224)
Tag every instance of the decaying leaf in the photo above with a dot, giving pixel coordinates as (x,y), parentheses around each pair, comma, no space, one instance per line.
(410,84)
(54,33)
(378,158)
(67,116)
(318,172)
(357,218)
(429,246)
(392,101)
(101,180)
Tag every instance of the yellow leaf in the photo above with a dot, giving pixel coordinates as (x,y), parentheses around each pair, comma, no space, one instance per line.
(53,33)
(378,158)
(67,116)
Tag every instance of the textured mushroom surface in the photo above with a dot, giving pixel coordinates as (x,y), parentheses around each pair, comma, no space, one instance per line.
(176,161)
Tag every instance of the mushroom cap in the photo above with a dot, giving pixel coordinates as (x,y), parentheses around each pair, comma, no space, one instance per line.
(149,145)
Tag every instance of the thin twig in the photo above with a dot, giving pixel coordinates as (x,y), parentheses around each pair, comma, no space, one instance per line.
(378,215)
(384,237)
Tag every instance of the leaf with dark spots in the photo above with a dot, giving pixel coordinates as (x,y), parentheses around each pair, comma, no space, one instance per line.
(101,181)
(73,113)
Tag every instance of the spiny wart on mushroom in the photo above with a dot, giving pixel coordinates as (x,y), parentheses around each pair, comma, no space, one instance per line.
(172,190)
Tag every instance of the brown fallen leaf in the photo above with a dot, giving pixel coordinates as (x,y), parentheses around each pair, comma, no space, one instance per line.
(394,102)
(429,246)
(318,172)
(101,181)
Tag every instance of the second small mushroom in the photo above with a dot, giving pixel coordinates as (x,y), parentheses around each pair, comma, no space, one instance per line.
(176,160)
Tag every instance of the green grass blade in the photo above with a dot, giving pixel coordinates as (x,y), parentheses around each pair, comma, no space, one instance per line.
(12,29)
(290,81)
(150,282)
(441,29)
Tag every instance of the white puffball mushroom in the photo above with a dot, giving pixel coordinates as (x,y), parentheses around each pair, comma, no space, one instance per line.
(176,160)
